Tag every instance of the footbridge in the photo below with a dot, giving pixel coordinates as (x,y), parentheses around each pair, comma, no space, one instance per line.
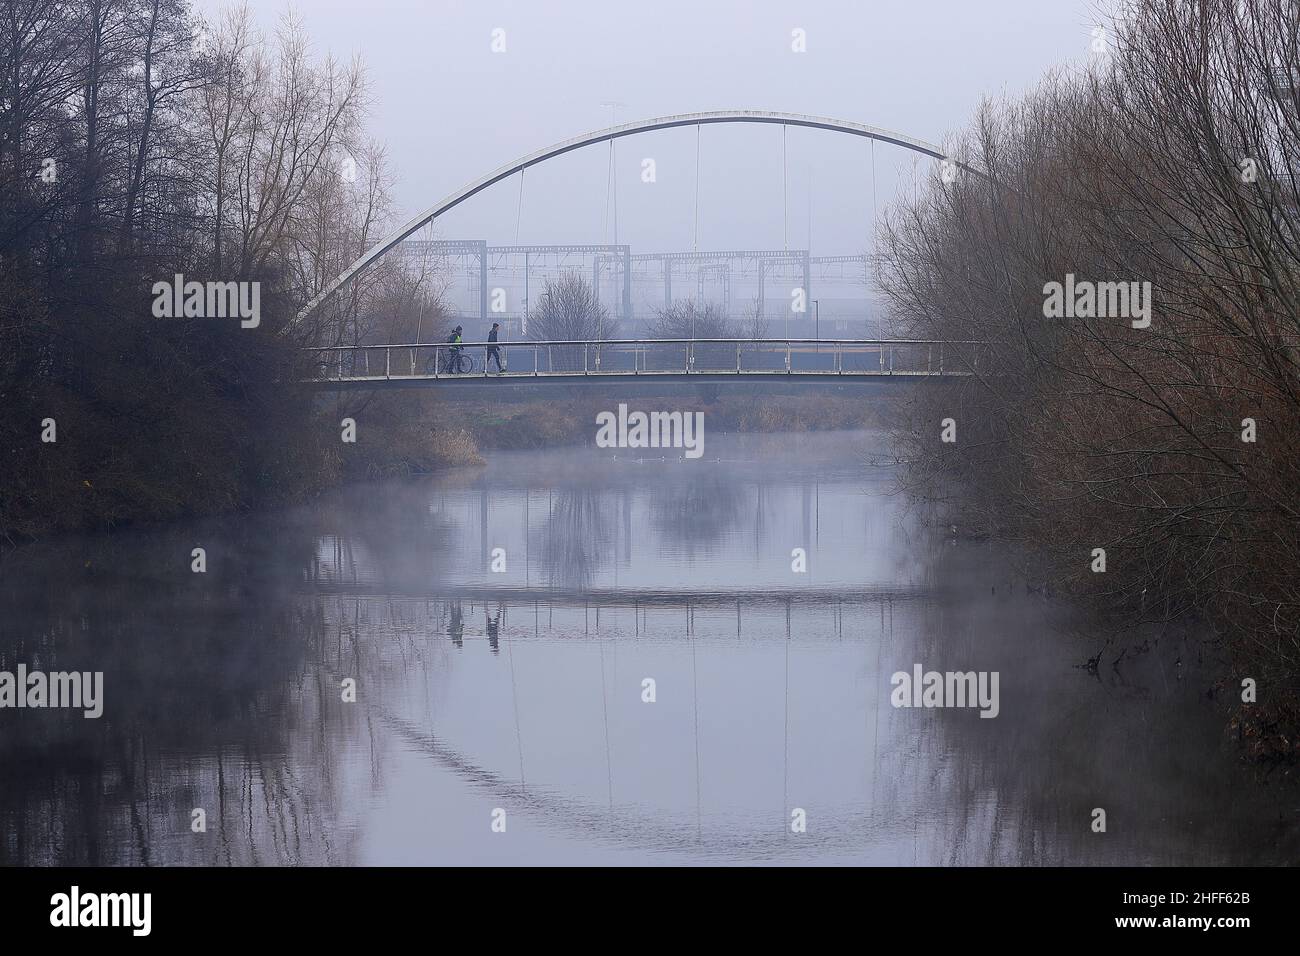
(640,360)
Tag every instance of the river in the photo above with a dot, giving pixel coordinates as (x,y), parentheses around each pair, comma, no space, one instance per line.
(580,656)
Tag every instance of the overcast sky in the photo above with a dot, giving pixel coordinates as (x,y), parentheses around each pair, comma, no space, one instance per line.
(450,109)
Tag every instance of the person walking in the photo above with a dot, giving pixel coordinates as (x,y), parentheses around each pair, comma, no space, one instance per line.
(453,353)
(493,353)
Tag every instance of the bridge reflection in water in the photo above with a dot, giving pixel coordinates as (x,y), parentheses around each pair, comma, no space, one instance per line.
(525,689)
(531,691)
(539,704)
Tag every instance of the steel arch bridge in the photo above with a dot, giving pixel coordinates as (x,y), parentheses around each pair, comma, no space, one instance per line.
(600,136)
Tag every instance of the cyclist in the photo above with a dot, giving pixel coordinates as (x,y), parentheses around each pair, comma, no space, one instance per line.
(453,354)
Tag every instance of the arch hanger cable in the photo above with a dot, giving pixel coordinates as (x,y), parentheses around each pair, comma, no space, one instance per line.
(696,240)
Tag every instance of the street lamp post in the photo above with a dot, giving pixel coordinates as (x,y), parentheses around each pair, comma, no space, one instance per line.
(544,295)
(549,366)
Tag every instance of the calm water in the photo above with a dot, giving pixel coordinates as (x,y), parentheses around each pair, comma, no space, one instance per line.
(521,690)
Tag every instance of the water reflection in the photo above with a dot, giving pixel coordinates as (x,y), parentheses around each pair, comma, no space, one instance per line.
(575,538)
(199,673)
(525,688)
(456,625)
(493,625)
(699,508)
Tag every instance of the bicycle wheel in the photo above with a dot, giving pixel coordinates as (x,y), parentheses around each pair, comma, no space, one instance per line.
(464,364)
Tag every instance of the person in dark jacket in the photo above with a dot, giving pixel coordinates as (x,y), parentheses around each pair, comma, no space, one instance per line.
(493,353)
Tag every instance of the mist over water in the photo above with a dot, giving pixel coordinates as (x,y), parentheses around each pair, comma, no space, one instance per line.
(523,689)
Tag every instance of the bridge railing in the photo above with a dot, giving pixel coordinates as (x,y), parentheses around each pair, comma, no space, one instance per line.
(648,357)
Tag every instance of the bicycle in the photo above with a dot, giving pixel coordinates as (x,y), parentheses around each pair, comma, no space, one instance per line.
(455,363)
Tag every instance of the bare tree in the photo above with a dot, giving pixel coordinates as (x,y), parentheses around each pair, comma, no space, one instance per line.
(1138,435)
(235,72)
(568,310)
(685,319)
(299,121)
(753,323)
(39,74)
(131,151)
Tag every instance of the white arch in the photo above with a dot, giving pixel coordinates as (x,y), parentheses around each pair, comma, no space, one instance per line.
(613,132)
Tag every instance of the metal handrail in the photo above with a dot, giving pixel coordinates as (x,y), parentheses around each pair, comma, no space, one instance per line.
(429,364)
(527,343)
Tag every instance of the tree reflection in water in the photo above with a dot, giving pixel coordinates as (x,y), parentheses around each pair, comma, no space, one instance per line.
(576,540)
(198,670)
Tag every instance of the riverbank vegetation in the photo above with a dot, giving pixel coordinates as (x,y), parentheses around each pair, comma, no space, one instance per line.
(572,421)
(435,432)
(138,144)
(1170,444)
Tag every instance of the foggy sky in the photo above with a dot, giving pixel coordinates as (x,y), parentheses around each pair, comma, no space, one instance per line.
(450,110)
